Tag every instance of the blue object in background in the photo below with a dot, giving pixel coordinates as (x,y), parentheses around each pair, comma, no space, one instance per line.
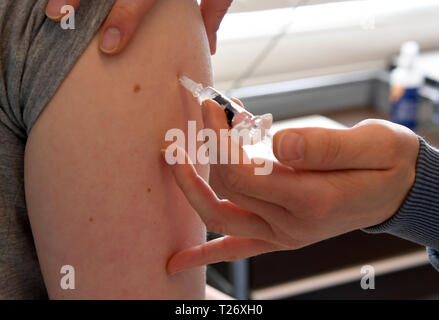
(405,108)
(436,111)
(405,81)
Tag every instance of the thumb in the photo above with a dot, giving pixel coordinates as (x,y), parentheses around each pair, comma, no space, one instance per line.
(122,23)
(373,145)
(213,12)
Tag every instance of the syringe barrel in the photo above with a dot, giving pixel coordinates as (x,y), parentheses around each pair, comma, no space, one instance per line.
(231,108)
(238,118)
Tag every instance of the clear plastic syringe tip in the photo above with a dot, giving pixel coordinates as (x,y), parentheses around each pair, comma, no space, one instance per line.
(192,86)
(268,141)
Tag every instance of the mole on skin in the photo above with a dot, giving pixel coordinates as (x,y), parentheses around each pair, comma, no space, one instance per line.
(137,88)
(91,219)
(149,190)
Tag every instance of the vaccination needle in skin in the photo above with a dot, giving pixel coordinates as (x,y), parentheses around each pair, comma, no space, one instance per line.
(255,128)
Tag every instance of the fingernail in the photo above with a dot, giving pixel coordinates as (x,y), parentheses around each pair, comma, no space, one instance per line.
(171,269)
(173,272)
(291,146)
(53,10)
(110,40)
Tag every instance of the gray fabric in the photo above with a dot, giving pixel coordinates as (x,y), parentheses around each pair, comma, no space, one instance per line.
(20,276)
(418,218)
(35,56)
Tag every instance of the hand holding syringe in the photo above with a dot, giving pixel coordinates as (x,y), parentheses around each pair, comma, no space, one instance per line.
(312,193)
(252,129)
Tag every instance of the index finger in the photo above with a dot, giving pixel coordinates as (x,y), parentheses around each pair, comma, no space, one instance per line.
(222,249)
(220,216)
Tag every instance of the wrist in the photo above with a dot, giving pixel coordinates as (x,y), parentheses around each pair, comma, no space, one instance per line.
(396,182)
(417,219)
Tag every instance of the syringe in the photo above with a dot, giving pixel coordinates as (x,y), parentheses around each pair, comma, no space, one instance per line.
(252,129)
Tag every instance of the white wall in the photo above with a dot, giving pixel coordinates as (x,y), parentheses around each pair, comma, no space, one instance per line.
(254,5)
(319,40)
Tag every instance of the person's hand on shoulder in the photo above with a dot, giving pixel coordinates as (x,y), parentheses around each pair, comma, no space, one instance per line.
(126,15)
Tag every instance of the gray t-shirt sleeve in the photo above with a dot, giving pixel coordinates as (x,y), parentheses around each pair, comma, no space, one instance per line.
(36,54)
(417,220)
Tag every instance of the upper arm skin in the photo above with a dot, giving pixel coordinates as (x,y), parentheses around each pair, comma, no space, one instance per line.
(98,194)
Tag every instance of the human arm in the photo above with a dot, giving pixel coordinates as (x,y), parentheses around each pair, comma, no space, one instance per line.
(342,180)
(126,16)
(99,197)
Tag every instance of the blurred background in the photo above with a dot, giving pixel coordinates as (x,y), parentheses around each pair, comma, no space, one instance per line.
(333,63)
